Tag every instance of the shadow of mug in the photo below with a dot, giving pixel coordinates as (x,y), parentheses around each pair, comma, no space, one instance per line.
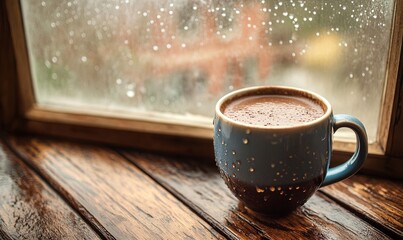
(275,169)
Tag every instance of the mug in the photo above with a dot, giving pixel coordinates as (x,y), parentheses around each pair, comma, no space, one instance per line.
(275,169)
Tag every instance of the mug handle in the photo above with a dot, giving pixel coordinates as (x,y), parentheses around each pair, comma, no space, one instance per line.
(350,167)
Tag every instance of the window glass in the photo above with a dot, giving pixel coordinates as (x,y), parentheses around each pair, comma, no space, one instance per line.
(179,56)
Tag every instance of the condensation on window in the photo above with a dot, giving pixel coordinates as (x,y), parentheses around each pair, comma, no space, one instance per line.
(179,56)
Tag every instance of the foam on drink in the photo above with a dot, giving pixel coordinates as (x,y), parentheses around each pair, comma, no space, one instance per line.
(273,110)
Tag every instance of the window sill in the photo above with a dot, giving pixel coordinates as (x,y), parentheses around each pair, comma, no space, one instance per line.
(119,193)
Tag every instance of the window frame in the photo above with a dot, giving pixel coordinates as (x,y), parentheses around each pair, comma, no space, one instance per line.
(20,113)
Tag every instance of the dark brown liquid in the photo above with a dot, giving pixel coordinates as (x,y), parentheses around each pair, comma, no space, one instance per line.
(273,110)
(276,200)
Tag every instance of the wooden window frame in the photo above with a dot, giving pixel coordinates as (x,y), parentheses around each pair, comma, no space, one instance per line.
(20,113)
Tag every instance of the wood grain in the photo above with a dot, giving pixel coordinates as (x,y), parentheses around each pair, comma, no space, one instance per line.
(126,202)
(200,186)
(378,200)
(161,143)
(29,209)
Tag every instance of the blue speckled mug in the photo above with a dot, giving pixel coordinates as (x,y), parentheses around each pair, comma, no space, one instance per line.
(274,170)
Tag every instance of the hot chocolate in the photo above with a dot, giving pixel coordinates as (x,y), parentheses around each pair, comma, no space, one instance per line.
(273,110)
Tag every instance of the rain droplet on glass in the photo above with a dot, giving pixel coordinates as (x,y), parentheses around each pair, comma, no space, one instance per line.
(130,93)
(259,190)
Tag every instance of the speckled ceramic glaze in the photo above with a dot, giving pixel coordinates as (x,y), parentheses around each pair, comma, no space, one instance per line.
(274,170)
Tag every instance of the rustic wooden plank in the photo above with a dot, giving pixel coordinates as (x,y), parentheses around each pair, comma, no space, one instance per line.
(30,209)
(379,200)
(200,186)
(128,203)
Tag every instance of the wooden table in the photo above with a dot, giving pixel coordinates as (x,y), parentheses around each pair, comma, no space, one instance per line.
(53,189)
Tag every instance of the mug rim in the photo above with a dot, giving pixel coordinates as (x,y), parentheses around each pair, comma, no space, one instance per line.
(243,91)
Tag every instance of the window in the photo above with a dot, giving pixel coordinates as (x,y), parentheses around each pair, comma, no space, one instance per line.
(160,66)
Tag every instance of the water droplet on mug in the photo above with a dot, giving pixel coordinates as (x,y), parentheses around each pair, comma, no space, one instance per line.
(233,175)
(238,162)
(259,190)
(273,165)
(245,141)
(272,189)
(297,187)
(233,152)
(290,199)
(233,165)
(266,198)
(279,188)
(251,169)
(289,188)
(248,131)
